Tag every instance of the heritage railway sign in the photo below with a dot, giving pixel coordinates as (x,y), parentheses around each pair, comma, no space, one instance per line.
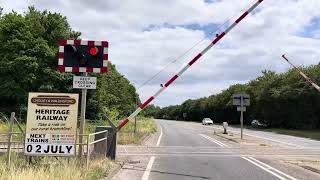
(51,124)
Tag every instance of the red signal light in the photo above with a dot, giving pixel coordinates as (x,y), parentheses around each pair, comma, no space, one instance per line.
(93,51)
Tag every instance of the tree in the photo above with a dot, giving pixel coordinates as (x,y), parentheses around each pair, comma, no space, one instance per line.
(281,100)
(28,51)
(28,55)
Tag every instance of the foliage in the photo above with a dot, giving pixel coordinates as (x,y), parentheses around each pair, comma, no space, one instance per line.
(283,100)
(28,51)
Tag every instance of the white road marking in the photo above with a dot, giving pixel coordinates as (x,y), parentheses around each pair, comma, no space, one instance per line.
(159,139)
(272,168)
(268,168)
(148,169)
(213,140)
(151,161)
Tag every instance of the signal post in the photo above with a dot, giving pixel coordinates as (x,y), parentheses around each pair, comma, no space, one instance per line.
(80,56)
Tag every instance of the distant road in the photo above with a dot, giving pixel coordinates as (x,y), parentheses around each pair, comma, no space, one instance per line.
(187,150)
(199,167)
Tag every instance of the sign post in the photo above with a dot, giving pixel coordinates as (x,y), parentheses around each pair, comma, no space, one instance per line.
(51,124)
(241,100)
(241,116)
(82,118)
(82,56)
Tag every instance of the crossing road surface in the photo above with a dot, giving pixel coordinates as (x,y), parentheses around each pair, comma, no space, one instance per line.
(184,150)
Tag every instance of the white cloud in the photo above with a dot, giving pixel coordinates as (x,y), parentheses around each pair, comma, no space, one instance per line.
(256,44)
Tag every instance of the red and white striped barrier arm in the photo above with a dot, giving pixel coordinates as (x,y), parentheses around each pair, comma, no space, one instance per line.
(302,74)
(217,39)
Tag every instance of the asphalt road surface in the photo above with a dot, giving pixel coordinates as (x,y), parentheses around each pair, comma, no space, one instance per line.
(184,150)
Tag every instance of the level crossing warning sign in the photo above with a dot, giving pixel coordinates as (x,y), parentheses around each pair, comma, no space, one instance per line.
(51,124)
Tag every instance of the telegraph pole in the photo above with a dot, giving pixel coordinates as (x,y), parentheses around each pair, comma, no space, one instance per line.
(302,74)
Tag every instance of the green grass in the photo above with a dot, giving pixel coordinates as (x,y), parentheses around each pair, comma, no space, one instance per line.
(145,127)
(51,168)
(5,127)
(312,134)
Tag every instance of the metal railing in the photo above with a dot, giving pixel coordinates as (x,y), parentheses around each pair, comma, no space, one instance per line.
(15,141)
(88,142)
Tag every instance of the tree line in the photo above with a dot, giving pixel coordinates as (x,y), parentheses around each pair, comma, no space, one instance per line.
(281,100)
(28,62)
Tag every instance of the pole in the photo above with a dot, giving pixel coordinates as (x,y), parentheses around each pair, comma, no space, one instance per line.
(241,117)
(10,140)
(302,74)
(82,117)
(135,118)
(170,81)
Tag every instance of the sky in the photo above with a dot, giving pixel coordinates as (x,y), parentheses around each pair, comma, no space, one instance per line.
(147,35)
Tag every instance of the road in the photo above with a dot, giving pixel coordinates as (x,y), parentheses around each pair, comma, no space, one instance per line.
(183,150)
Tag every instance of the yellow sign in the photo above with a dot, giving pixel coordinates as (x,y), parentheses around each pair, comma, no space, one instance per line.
(51,124)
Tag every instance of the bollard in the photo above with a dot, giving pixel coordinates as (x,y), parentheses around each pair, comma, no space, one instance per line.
(100,148)
(111,143)
(225,126)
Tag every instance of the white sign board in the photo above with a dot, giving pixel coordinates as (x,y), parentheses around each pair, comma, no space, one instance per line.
(243,108)
(84,82)
(237,99)
(51,124)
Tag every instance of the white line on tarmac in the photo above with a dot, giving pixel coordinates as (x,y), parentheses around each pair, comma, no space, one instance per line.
(213,140)
(151,161)
(269,169)
(159,139)
(148,169)
(272,168)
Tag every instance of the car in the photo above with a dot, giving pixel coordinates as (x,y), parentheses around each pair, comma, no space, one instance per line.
(207,121)
(257,124)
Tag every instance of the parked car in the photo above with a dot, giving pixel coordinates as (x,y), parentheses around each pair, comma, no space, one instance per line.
(207,121)
(257,124)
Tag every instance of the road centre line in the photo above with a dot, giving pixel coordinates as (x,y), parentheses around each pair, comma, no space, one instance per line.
(159,139)
(268,168)
(213,140)
(148,169)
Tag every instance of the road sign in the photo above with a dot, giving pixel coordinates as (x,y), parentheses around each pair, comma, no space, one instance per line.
(241,100)
(83,56)
(51,124)
(237,99)
(239,108)
(84,82)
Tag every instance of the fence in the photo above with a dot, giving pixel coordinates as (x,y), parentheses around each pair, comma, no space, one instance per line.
(88,144)
(95,144)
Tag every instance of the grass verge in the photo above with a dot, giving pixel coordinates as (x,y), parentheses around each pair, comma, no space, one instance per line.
(145,127)
(312,134)
(51,168)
